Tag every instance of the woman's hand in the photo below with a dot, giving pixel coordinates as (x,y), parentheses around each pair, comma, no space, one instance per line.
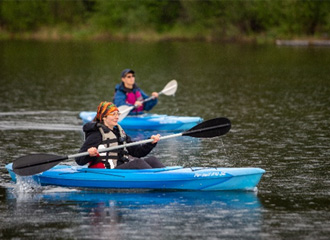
(138,104)
(155,138)
(93,152)
(154,95)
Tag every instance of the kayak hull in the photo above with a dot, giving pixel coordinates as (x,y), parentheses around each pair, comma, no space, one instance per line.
(171,178)
(151,122)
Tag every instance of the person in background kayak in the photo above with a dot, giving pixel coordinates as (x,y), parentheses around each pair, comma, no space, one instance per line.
(128,93)
(105,132)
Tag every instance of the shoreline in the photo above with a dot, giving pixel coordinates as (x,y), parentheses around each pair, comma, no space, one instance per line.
(302,42)
(48,35)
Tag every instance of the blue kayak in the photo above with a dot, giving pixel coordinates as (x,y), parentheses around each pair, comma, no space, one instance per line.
(168,178)
(150,122)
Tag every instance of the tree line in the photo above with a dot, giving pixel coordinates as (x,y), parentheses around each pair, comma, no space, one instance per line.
(198,19)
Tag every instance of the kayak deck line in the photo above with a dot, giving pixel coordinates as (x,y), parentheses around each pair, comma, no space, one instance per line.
(86,171)
(78,170)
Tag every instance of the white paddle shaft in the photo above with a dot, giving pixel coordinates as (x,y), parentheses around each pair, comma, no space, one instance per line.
(125,145)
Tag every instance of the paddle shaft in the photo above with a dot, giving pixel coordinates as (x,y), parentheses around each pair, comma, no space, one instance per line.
(124,145)
(188,133)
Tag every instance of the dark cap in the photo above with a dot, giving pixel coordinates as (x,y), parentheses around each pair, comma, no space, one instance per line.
(125,71)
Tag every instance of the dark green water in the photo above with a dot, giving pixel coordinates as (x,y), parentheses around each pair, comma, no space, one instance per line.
(278,100)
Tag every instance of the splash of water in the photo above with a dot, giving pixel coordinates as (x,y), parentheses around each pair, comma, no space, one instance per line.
(26,184)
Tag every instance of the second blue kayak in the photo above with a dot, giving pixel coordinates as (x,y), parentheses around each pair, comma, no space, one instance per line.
(151,122)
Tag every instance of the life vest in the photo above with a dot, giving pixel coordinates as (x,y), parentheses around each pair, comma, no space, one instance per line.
(132,97)
(109,159)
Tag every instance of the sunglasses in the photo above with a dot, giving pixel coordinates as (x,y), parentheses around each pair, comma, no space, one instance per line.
(130,76)
(113,114)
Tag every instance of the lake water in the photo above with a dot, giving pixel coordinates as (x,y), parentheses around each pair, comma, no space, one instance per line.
(277,98)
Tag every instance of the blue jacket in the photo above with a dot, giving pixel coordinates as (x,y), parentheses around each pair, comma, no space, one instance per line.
(119,98)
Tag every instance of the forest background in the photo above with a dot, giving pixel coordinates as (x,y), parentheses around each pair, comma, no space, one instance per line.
(155,20)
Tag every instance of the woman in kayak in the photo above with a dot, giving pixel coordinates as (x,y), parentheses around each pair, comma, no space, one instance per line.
(105,132)
(128,93)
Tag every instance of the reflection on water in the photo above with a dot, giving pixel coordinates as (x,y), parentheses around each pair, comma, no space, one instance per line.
(99,214)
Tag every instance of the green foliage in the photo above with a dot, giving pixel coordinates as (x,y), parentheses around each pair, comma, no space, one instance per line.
(29,15)
(127,15)
(23,15)
(207,18)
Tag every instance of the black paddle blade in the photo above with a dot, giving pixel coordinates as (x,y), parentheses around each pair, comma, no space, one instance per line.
(210,128)
(36,163)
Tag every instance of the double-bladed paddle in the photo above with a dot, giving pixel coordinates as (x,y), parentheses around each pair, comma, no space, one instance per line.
(37,163)
(168,90)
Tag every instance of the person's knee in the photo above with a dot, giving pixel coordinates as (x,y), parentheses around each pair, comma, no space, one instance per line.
(141,164)
(154,162)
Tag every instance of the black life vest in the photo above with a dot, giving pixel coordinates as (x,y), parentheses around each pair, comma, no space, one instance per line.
(110,158)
